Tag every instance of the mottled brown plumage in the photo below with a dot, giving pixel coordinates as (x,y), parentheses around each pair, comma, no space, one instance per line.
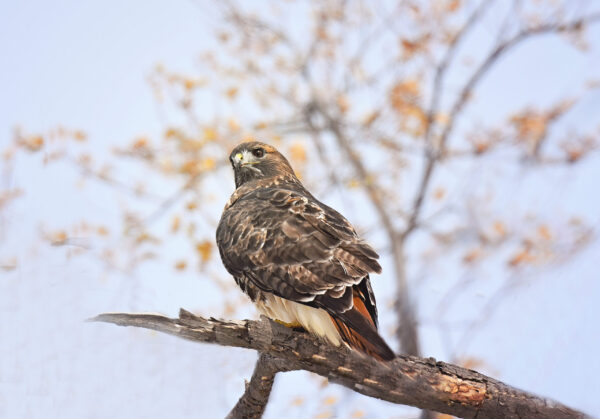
(284,248)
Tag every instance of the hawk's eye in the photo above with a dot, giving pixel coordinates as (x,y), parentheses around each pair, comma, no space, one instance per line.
(258,152)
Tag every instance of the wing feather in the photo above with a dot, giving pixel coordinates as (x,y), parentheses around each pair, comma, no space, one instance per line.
(275,238)
(287,243)
(294,246)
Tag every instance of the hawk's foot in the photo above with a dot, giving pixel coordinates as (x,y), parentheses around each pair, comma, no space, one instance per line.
(295,326)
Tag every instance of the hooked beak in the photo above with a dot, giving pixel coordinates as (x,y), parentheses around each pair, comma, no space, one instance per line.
(244,159)
(238,159)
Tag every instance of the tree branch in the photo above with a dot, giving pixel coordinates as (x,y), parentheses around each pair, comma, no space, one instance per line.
(409,380)
(407,324)
(253,402)
(442,67)
(466,92)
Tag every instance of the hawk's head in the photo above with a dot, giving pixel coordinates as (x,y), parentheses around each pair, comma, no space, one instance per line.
(254,160)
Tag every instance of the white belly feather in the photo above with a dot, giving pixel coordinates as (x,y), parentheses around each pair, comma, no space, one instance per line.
(315,320)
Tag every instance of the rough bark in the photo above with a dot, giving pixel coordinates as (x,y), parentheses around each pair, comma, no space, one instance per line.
(253,402)
(409,380)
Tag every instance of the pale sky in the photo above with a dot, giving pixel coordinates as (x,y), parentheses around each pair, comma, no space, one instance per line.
(85,65)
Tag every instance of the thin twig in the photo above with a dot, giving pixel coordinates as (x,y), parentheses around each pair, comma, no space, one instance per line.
(434,155)
(407,324)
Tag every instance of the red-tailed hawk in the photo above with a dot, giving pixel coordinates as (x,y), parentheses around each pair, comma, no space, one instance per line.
(299,261)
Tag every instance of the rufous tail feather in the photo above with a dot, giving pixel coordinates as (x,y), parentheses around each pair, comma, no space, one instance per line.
(357,329)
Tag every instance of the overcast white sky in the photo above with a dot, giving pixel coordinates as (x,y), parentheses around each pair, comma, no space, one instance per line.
(84,65)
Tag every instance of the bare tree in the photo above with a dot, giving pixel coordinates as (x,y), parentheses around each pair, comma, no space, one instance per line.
(370,95)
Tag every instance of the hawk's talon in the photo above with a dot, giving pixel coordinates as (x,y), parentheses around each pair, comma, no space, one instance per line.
(294,326)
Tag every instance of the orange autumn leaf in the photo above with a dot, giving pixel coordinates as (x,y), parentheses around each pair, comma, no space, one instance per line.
(483,141)
(175,224)
(102,231)
(411,47)
(194,167)
(171,133)
(471,363)
(229,309)
(322,33)
(208,163)
(232,92)
(210,134)
(181,265)
(8,154)
(439,193)
(573,153)
(404,98)
(190,144)
(453,5)
(58,238)
(532,125)
(140,143)
(205,250)
(146,238)
(192,205)
(343,104)
(499,228)
(190,167)
(353,184)
(544,232)
(407,90)
(224,36)
(481,147)
(370,118)
(188,84)
(521,257)
(260,125)
(249,137)
(9,195)
(442,118)
(9,264)
(192,83)
(233,124)
(79,135)
(472,255)
(32,143)
(298,152)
